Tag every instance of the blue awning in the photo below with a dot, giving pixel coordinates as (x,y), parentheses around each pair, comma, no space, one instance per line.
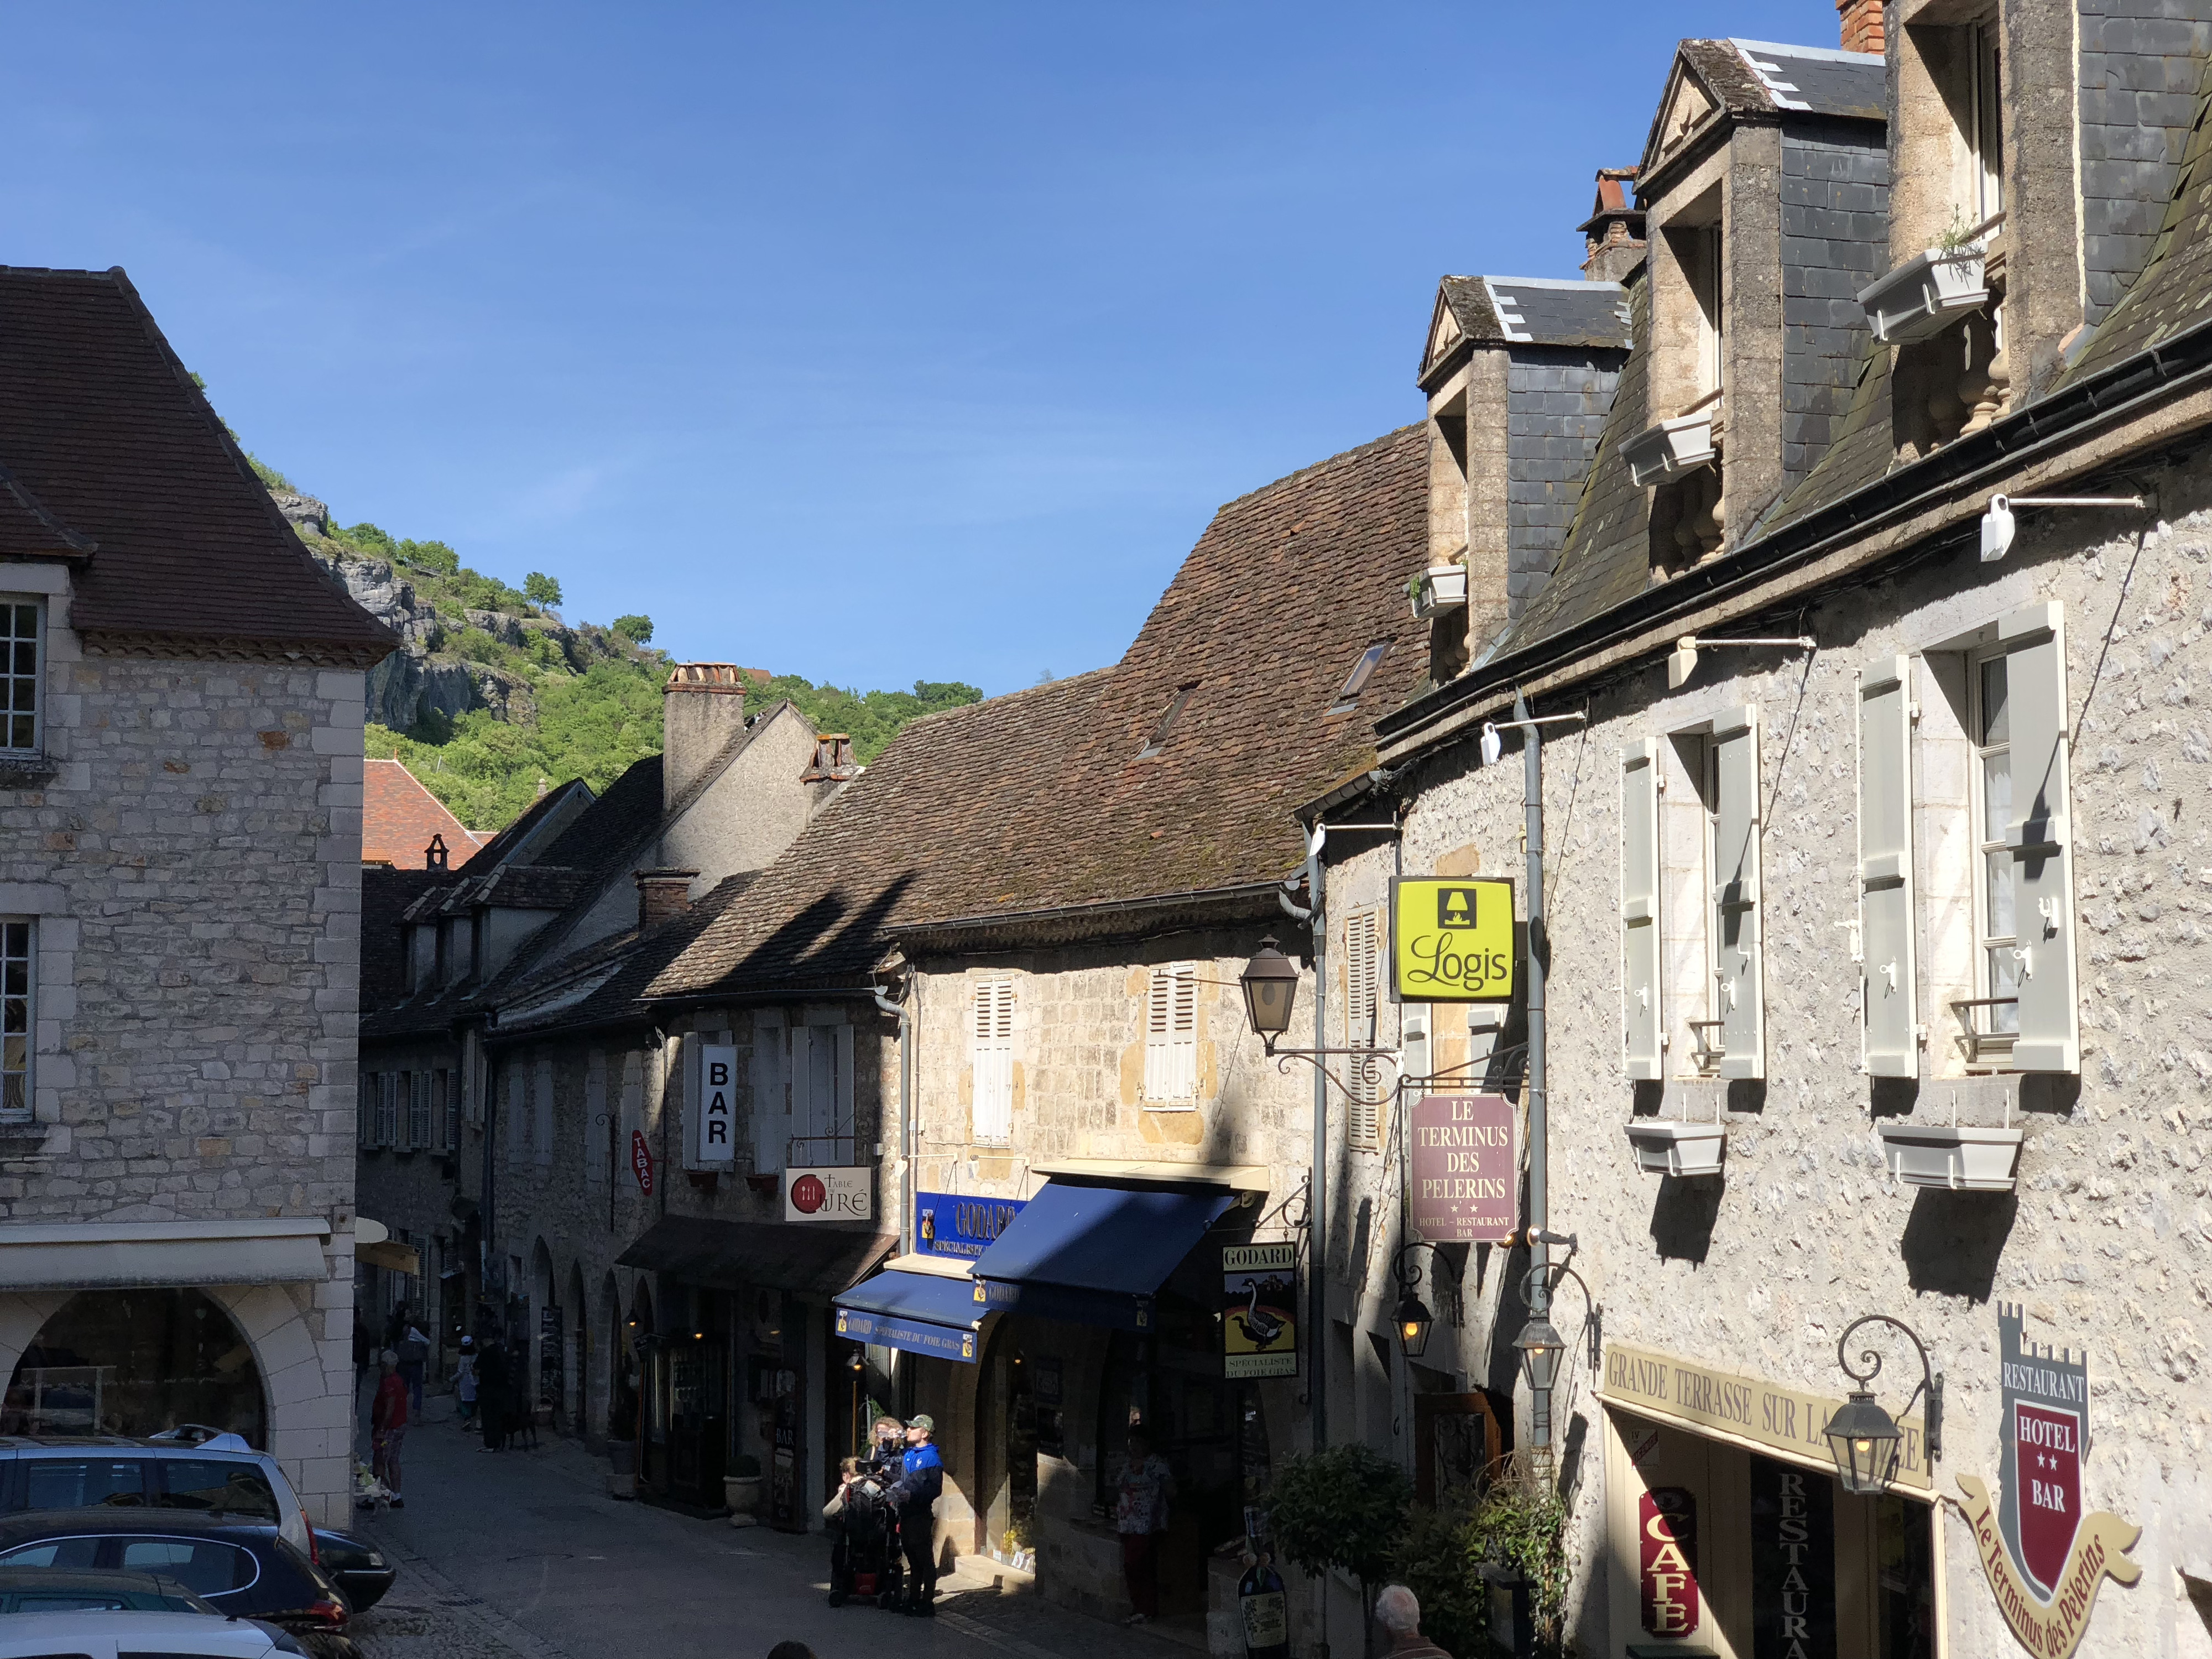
(922,1313)
(1094,1255)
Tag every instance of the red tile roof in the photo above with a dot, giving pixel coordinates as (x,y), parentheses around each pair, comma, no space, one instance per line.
(398,816)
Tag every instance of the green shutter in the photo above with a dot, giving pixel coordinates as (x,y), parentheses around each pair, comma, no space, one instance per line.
(2041,838)
(1735,916)
(1890,1037)
(1639,908)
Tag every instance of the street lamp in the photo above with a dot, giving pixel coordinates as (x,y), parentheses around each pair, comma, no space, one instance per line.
(1414,1320)
(1864,1439)
(1541,1348)
(1270,990)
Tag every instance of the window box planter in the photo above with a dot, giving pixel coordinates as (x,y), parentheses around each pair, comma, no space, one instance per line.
(1673,448)
(1439,588)
(1954,1159)
(1665,1146)
(1926,294)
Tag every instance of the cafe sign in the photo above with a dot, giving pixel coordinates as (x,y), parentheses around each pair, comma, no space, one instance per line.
(1467,1167)
(1451,940)
(2045,1558)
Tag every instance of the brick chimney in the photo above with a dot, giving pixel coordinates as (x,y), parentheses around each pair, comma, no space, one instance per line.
(1863,29)
(702,707)
(662,894)
(1613,236)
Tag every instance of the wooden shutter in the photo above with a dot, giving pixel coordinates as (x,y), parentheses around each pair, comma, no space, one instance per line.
(2041,839)
(1642,1015)
(1171,1035)
(1737,958)
(418,1111)
(1362,964)
(994,1059)
(1889,1034)
(771,1103)
(387,1110)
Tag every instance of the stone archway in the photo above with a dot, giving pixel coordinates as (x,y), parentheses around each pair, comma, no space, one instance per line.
(136,1362)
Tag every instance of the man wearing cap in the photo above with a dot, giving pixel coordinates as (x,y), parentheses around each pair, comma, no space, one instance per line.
(921,1478)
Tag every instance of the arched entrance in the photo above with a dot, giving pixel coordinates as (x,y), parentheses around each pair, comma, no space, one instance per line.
(137,1363)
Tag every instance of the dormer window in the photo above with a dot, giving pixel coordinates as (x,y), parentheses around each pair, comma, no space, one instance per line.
(1165,723)
(1699,252)
(1356,682)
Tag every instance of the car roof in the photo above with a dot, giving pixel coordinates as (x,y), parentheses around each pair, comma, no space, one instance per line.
(59,1445)
(209,1633)
(30,1524)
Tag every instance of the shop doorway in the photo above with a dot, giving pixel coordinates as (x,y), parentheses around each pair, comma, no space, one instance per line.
(1006,1453)
(137,1363)
(697,1374)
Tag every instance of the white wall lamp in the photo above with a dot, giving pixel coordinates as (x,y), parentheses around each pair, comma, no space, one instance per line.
(1998,526)
(1682,660)
(1493,745)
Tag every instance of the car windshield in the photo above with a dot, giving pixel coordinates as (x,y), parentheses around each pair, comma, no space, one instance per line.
(204,1564)
(75,1483)
(237,1490)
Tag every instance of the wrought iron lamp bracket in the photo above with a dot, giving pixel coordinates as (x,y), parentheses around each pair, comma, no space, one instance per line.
(1930,1387)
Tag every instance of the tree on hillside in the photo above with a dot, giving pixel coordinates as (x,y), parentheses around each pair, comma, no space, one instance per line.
(541,589)
(638,631)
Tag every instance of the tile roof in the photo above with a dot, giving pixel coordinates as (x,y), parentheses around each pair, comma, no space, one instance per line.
(106,444)
(1036,801)
(399,815)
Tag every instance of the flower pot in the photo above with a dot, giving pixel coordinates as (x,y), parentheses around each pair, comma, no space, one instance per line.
(1954,1159)
(1671,449)
(1439,588)
(1664,1147)
(742,1492)
(1925,294)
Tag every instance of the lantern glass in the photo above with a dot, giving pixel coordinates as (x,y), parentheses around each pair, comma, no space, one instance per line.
(1864,1439)
(1413,1321)
(1271,991)
(1541,1349)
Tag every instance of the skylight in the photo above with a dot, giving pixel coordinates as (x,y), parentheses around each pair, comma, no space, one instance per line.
(1165,723)
(1356,681)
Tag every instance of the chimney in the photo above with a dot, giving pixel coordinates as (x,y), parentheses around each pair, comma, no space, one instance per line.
(662,894)
(702,707)
(830,770)
(434,855)
(1862,24)
(1613,236)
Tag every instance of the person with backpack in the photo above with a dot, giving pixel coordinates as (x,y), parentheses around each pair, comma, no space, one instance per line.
(921,1478)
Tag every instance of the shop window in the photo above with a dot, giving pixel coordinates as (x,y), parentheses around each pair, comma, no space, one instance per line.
(20,654)
(771,1103)
(136,1363)
(821,1096)
(1171,1038)
(991,1055)
(1362,934)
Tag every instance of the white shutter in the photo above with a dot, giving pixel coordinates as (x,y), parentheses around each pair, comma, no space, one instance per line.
(1737,957)
(1171,1037)
(993,1060)
(771,1097)
(821,1094)
(2041,839)
(1889,1036)
(843,1152)
(1364,1094)
(1643,1017)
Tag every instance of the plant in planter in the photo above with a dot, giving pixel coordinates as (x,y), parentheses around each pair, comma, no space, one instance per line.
(1342,1508)
(1933,290)
(1522,1528)
(1438,1556)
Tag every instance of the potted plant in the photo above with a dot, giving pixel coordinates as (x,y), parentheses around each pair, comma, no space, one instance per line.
(1932,289)
(1950,1158)
(1342,1508)
(741,1489)
(1673,448)
(1439,588)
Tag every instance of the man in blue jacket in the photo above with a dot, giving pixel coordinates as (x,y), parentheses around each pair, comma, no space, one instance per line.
(921,1478)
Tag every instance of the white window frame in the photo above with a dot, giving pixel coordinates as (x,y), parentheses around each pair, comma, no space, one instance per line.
(12,681)
(1984,133)
(1707,294)
(1170,1038)
(1363,1080)
(991,1056)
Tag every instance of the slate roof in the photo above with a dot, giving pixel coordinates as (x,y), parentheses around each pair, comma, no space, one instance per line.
(387,895)
(112,457)
(1537,311)
(400,817)
(1036,801)
(1816,80)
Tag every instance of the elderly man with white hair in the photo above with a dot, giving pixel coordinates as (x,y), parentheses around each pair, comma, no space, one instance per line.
(1398,1612)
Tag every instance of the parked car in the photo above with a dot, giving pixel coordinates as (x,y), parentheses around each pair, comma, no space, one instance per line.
(240,1567)
(185,1468)
(363,1571)
(110,1635)
(77,1590)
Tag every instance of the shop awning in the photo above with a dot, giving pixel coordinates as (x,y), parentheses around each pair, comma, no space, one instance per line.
(1094,1254)
(131,1254)
(729,1256)
(923,1313)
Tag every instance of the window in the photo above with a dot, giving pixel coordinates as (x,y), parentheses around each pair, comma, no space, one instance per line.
(201,1564)
(821,1095)
(1362,932)
(216,1488)
(1996,924)
(445,1108)
(1734,929)
(993,1114)
(1171,1038)
(71,1553)
(1159,740)
(74,1483)
(771,1097)
(17,976)
(1701,265)
(1985,134)
(387,1108)
(418,1109)
(598,1141)
(1347,699)
(19,640)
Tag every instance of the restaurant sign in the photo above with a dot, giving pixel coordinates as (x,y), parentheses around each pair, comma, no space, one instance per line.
(1705,1398)
(2045,1558)
(834,1194)
(1260,1310)
(1667,1562)
(1451,941)
(1467,1167)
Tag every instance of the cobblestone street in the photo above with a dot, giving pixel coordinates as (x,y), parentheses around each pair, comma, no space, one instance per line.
(522,1553)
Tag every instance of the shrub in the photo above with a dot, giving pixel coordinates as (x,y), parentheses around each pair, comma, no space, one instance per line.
(1344,1507)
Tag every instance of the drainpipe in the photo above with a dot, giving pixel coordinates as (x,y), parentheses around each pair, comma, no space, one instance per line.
(1540,1253)
(898,1010)
(1317,1214)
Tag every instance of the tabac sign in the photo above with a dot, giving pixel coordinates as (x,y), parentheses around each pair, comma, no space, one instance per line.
(1451,939)
(2045,1559)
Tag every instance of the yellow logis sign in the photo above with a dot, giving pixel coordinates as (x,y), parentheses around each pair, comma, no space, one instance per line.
(1451,939)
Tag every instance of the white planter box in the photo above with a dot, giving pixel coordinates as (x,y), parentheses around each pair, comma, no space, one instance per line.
(1439,588)
(1957,1160)
(1926,296)
(1670,449)
(1664,1147)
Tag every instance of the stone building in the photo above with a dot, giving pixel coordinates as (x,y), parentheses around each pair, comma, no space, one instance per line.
(180,793)
(1873,863)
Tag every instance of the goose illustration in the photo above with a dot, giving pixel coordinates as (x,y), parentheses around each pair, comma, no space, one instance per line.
(1260,1328)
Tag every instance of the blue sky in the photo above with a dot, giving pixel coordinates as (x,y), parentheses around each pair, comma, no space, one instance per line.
(873,343)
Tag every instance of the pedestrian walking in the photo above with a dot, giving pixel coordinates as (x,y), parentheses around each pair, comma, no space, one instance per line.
(464,1380)
(921,1478)
(491,1394)
(1398,1612)
(1140,1516)
(387,1427)
(414,1358)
